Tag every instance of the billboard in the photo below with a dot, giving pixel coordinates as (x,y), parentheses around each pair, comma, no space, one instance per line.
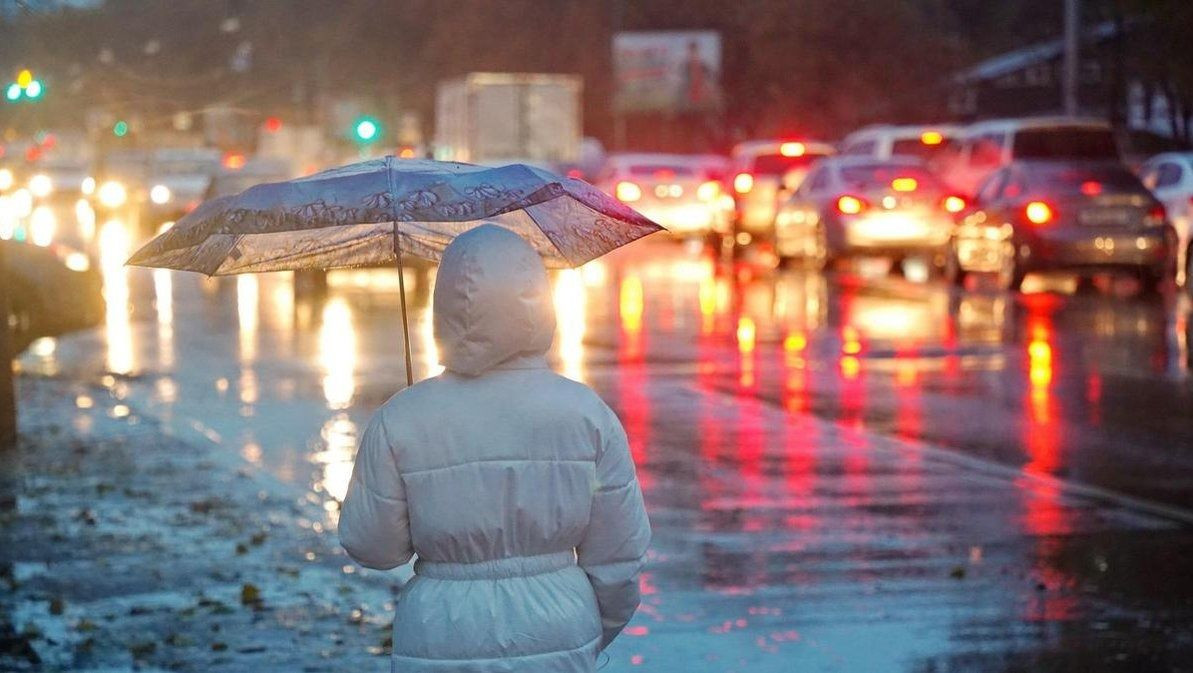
(667,71)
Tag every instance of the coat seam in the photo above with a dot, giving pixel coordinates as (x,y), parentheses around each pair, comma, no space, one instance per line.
(528,655)
(498,460)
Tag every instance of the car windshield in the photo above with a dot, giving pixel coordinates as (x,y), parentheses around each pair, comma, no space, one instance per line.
(1089,180)
(914,147)
(183,167)
(1065,143)
(880,176)
(777,164)
(666,171)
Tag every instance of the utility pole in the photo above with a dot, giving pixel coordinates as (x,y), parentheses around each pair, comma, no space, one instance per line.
(619,123)
(1072,62)
(8,406)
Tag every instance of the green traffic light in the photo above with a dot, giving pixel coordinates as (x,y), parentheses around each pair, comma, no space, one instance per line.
(13,92)
(367,129)
(120,129)
(34,89)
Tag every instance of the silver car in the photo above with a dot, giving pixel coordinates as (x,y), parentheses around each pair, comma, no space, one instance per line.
(859,206)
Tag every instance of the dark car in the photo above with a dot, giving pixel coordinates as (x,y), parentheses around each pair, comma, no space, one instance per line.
(1056,215)
(51,290)
(860,206)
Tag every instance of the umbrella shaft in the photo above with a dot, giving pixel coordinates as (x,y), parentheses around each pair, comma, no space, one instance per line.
(402,294)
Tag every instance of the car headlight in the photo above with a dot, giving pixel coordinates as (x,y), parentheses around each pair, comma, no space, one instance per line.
(22,203)
(41,185)
(160,194)
(77,261)
(112,194)
(42,225)
(6,179)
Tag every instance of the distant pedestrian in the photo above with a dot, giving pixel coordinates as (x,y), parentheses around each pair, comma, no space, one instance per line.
(513,485)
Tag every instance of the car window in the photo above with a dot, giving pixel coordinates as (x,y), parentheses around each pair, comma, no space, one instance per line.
(1068,179)
(915,147)
(1168,174)
(991,187)
(1013,185)
(663,171)
(777,164)
(818,181)
(861,148)
(1065,143)
(986,150)
(880,176)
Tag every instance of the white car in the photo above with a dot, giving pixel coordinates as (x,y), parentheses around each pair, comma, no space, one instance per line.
(1170,177)
(883,141)
(680,192)
(766,172)
(986,146)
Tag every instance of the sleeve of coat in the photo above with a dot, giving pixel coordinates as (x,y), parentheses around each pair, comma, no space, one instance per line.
(374,524)
(615,544)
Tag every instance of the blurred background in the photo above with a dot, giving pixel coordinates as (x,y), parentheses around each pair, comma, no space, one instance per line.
(909,368)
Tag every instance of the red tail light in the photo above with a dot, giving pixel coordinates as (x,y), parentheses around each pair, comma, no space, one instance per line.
(1038,212)
(953,203)
(743,183)
(1091,188)
(851,205)
(1157,215)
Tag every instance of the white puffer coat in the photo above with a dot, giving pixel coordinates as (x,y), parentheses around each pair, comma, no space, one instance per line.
(513,485)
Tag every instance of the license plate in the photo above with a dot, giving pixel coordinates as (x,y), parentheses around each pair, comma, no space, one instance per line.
(1106,216)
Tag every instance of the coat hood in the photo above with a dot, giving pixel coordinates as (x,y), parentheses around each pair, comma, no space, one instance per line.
(492,301)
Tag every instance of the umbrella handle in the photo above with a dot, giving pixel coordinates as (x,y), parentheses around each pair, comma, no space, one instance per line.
(402,293)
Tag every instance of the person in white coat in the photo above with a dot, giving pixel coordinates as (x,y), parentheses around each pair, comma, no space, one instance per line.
(512,484)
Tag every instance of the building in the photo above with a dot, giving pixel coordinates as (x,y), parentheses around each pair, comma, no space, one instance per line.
(1028,82)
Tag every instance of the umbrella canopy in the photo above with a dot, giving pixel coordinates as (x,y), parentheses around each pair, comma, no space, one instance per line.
(357,215)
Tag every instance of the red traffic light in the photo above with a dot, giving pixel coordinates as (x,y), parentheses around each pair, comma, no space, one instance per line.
(273,124)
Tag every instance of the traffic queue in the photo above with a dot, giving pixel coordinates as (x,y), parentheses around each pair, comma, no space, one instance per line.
(1002,197)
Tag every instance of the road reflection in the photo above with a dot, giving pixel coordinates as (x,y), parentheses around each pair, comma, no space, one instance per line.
(783,420)
(115,245)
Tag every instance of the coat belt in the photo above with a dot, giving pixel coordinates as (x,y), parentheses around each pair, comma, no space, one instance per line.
(494,569)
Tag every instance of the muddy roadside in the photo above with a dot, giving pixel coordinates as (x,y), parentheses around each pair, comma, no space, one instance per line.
(126,547)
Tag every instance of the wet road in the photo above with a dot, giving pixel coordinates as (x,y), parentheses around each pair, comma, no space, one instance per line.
(856,473)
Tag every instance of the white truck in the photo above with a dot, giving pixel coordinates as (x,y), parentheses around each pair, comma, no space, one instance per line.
(502,118)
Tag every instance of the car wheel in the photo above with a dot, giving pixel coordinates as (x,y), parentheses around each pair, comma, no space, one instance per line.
(1151,279)
(953,272)
(1011,274)
(819,257)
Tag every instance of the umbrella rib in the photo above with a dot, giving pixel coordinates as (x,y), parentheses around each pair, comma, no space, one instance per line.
(547,236)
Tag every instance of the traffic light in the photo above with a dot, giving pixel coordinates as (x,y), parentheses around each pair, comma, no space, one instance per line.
(25,85)
(366,130)
(120,129)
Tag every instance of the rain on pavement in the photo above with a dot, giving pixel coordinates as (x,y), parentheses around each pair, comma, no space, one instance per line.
(957,479)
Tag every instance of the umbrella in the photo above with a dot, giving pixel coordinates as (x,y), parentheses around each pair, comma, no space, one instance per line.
(372,212)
